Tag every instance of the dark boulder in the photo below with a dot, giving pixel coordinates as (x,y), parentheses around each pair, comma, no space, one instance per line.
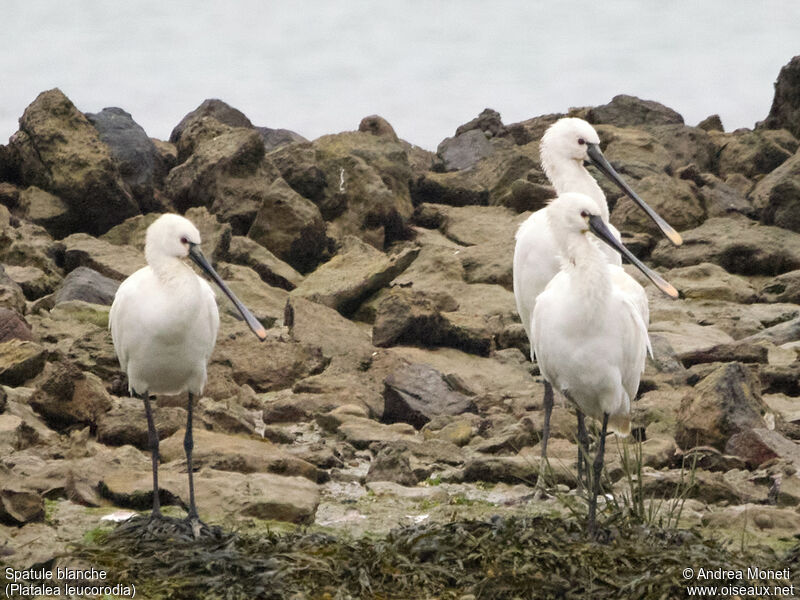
(87,285)
(417,393)
(219,110)
(630,111)
(134,152)
(785,110)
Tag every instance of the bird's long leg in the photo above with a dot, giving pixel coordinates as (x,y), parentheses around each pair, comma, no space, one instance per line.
(547,404)
(583,452)
(188,445)
(152,439)
(598,469)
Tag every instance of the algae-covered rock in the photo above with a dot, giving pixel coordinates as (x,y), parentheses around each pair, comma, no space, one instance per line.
(61,152)
(725,403)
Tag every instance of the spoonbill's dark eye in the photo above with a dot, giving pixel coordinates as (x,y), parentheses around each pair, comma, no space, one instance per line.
(184,240)
(584,214)
(581,141)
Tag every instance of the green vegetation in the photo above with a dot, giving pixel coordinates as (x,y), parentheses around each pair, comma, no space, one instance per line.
(530,557)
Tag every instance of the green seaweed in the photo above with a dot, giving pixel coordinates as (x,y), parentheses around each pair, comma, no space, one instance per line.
(519,557)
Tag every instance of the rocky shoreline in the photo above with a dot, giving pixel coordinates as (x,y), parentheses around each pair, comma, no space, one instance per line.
(394,387)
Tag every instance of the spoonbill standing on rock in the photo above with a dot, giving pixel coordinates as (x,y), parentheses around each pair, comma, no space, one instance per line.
(589,335)
(566,146)
(164,322)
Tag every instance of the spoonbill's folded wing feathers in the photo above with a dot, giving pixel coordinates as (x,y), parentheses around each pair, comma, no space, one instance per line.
(126,294)
(212,313)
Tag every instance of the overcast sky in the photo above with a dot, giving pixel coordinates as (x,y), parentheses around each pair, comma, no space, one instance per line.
(426,66)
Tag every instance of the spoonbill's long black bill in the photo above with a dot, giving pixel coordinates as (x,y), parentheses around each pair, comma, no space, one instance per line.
(600,230)
(598,160)
(197,256)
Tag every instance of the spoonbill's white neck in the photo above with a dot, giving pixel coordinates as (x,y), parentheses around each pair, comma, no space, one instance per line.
(568,175)
(588,269)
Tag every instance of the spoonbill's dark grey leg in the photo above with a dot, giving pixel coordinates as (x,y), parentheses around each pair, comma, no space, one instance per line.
(598,470)
(547,404)
(152,439)
(583,452)
(188,445)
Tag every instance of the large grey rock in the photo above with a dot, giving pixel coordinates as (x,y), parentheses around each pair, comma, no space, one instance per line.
(215,108)
(61,152)
(777,196)
(725,403)
(13,326)
(275,364)
(87,285)
(377,125)
(290,226)
(221,494)
(338,338)
(133,151)
(785,110)
(464,151)
(635,153)
(270,268)
(20,361)
(67,396)
(757,446)
(736,244)
(125,423)
(630,111)
(115,262)
(225,452)
(783,288)
(392,464)
(11,294)
(674,199)
(18,507)
(708,281)
(35,282)
(416,393)
(227,174)
(352,275)
(45,209)
(264,301)
(753,153)
(686,145)
(275,138)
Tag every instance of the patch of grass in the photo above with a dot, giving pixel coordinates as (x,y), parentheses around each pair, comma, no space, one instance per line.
(50,507)
(97,535)
(635,507)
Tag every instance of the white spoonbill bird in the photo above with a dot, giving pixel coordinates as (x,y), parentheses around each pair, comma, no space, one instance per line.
(164,322)
(566,146)
(589,334)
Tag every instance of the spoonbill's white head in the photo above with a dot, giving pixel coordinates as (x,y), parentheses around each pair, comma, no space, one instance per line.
(568,139)
(170,236)
(573,214)
(572,140)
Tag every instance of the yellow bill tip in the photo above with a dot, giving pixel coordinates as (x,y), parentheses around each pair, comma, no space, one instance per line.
(675,237)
